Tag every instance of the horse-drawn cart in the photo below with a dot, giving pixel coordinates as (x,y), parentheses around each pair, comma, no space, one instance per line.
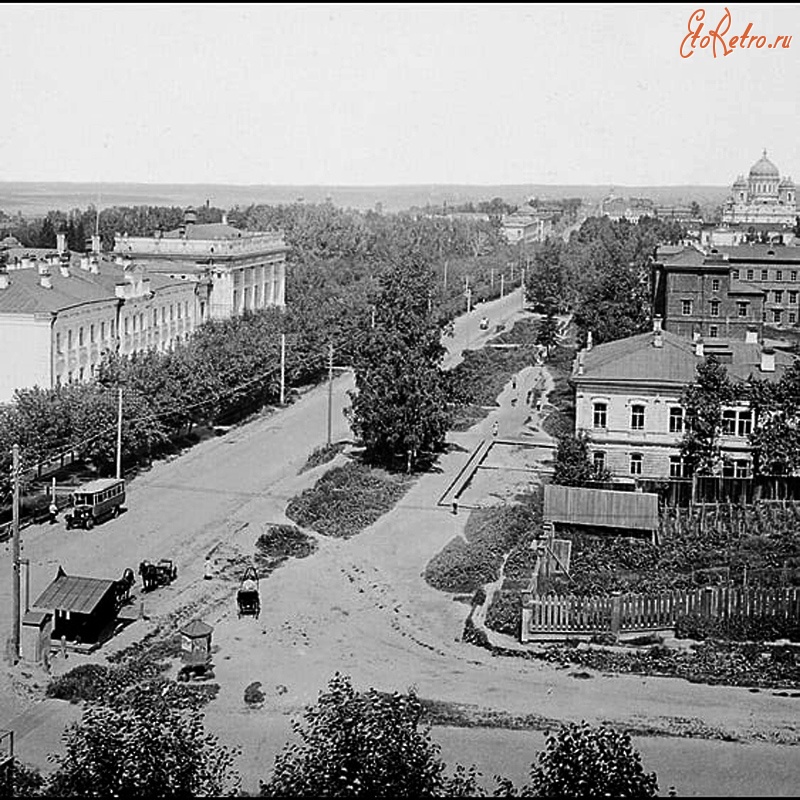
(155,575)
(248,598)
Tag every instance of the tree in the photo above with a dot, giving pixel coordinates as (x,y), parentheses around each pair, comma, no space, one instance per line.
(547,334)
(20,780)
(547,283)
(775,436)
(367,744)
(150,751)
(399,407)
(572,466)
(585,761)
(702,402)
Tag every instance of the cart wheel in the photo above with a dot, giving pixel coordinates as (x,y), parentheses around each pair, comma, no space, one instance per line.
(89,523)
(116,511)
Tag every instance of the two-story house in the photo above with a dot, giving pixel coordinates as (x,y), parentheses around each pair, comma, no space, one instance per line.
(628,396)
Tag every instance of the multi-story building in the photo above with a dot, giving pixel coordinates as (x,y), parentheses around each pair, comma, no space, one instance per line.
(246,270)
(527,226)
(723,292)
(61,312)
(627,399)
(699,295)
(763,197)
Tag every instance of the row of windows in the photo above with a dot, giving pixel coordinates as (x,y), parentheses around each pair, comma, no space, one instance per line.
(779,275)
(102,329)
(743,309)
(736,468)
(735,422)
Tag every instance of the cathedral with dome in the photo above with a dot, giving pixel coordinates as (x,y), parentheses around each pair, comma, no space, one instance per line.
(762,197)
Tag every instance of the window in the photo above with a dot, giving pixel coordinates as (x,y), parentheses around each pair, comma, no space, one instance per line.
(737,422)
(677,467)
(134,323)
(714,308)
(792,298)
(163,314)
(777,296)
(127,325)
(58,343)
(778,274)
(715,284)
(69,340)
(738,468)
(155,317)
(600,415)
(764,315)
(185,308)
(735,274)
(599,460)
(776,314)
(636,463)
(792,317)
(741,308)
(80,337)
(637,418)
(179,310)
(676,420)
(171,312)
(713,331)
(686,307)
(749,274)
(764,274)
(141,322)
(81,373)
(793,274)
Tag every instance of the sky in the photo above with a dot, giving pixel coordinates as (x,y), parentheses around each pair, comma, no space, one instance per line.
(379,94)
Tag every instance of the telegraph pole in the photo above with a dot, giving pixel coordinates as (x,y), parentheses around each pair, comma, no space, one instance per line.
(15,633)
(444,283)
(522,286)
(283,368)
(502,285)
(330,389)
(119,433)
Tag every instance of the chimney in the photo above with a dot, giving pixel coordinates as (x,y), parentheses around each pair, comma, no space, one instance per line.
(95,243)
(768,360)
(122,291)
(224,217)
(751,337)
(94,264)
(699,350)
(84,262)
(580,362)
(45,281)
(61,242)
(657,323)
(64,268)
(43,267)
(3,280)
(25,262)
(119,260)
(588,341)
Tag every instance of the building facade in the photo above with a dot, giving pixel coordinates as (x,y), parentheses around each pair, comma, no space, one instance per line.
(523,227)
(763,197)
(627,401)
(61,312)
(246,271)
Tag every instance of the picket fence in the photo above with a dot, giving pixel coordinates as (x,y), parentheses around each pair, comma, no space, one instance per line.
(552,616)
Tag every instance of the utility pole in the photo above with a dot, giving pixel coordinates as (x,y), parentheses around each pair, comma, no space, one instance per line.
(330,389)
(15,632)
(283,368)
(492,279)
(469,300)
(119,433)
(522,286)
(373,313)
(502,285)
(444,284)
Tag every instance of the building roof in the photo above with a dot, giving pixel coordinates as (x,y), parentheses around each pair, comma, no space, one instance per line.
(681,257)
(761,252)
(196,629)
(25,295)
(74,593)
(211,230)
(635,360)
(98,485)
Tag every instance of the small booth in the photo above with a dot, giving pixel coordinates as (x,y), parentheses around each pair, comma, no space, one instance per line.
(196,642)
(37,631)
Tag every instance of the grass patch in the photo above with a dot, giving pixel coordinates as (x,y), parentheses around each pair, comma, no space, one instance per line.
(279,543)
(348,499)
(322,455)
(467,563)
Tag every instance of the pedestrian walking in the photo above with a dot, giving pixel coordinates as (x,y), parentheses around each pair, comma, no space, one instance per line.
(53,511)
(514,382)
(207,572)
(495,428)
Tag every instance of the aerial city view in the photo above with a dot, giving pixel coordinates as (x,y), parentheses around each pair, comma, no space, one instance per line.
(399,400)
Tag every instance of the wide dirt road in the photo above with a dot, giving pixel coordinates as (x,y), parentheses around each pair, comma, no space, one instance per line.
(359,606)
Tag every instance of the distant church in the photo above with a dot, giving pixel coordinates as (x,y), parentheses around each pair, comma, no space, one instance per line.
(763,197)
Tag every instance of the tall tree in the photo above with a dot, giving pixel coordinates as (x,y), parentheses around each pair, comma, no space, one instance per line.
(572,465)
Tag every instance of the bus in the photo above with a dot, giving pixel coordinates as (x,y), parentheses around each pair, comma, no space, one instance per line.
(95,501)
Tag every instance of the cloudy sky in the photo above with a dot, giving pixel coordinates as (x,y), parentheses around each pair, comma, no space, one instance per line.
(392,94)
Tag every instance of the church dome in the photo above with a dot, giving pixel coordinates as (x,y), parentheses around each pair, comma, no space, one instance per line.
(764,168)
(786,183)
(740,183)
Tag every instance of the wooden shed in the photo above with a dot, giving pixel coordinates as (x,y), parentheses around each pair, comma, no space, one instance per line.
(602,508)
(196,642)
(84,609)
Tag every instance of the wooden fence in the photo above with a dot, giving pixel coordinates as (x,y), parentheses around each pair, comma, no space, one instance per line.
(553,616)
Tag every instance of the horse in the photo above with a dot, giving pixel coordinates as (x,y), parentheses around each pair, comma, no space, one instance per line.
(149,575)
(123,587)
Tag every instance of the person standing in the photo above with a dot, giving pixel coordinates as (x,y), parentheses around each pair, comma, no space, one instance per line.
(495,429)
(53,511)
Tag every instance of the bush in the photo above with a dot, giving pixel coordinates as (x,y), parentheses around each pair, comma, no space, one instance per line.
(505,613)
(20,780)
(253,695)
(84,682)
(758,629)
(322,455)
(279,542)
(585,761)
(347,499)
